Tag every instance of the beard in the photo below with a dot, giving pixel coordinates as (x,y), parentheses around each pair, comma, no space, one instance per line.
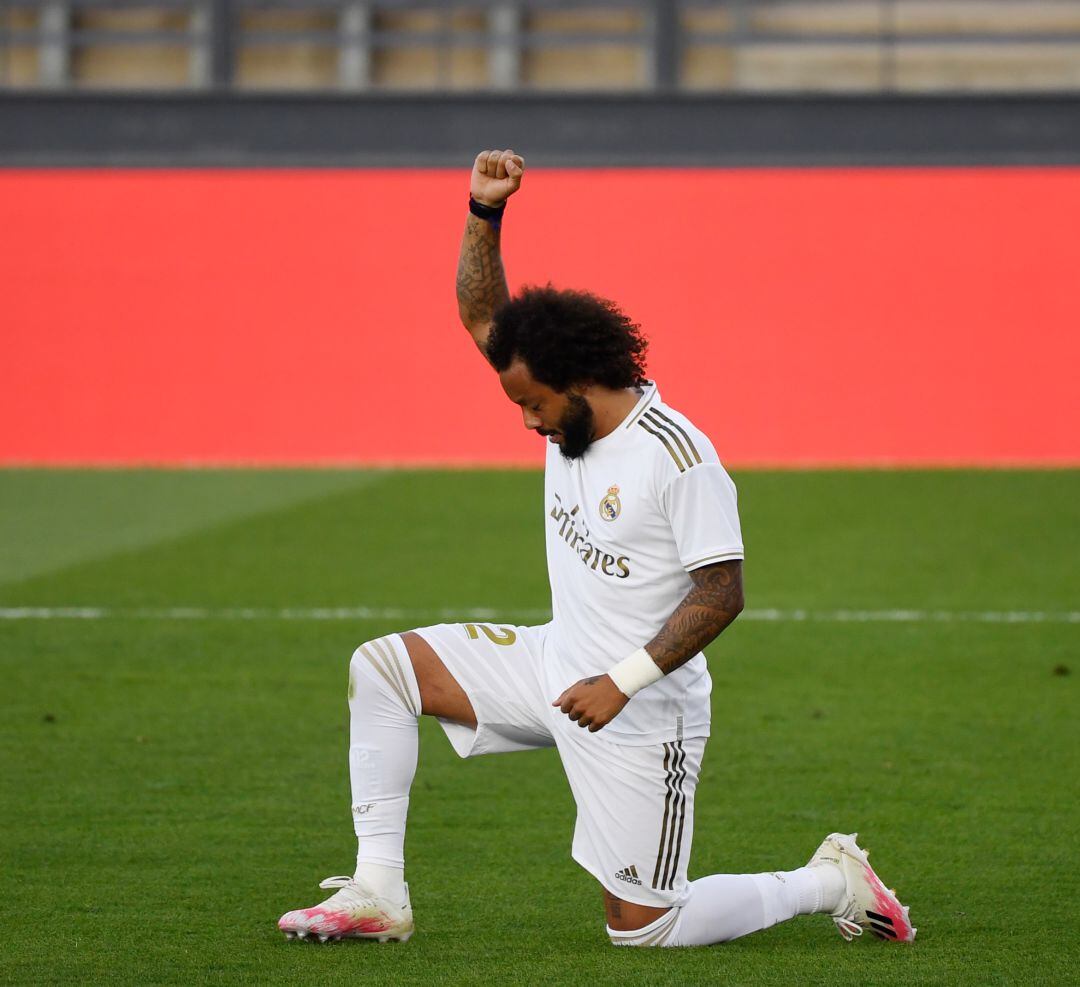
(577,426)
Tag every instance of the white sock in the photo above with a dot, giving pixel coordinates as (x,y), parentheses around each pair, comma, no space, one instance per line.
(833,885)
(384,706)
(726,906)
(720,907)
(800,892)
(386,881)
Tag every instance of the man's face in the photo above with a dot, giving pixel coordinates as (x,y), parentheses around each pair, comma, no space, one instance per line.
(565,419)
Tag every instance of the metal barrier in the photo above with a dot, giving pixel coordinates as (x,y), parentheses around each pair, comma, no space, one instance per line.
(649,45)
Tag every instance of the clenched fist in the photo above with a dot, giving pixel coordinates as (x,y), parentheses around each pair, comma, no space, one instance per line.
(593,702)
(496,176)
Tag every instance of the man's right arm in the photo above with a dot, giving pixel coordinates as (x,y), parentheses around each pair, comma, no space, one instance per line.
(481,280)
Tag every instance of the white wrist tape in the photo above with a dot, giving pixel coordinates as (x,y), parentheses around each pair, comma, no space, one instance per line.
(634,673)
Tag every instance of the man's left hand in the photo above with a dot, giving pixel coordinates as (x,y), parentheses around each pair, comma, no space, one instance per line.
(593,702)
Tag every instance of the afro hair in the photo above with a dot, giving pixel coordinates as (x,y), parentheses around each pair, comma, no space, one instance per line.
(568,339)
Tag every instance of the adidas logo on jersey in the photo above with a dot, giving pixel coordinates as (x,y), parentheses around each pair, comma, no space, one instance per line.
(628,874)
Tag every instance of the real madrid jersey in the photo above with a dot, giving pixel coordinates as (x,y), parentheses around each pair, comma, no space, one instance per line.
(625,525)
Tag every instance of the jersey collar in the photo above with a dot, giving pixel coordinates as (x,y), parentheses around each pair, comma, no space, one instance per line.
(649,396)
(650,393)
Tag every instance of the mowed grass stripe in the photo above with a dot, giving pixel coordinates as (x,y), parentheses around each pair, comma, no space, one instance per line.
(456,614)
(53,519)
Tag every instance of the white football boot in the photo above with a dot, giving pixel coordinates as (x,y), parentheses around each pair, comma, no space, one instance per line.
(354,912)
(866,902)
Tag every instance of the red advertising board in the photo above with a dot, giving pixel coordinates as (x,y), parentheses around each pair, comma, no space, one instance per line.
(800,317)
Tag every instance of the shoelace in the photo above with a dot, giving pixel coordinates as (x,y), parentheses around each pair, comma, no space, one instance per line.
(848,929)
(357,893)
(335,882)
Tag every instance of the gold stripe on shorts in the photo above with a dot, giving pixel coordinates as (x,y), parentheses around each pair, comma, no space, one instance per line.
(667,812)
(671,831)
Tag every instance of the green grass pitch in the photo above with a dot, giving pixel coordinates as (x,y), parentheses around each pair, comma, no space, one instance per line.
(174,763)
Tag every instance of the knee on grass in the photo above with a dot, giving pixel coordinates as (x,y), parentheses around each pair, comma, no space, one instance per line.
(657,933)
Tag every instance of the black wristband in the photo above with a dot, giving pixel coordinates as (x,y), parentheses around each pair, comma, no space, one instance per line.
(490,214)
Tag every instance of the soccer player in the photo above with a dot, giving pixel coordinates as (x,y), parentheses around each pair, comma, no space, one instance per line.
(644,555)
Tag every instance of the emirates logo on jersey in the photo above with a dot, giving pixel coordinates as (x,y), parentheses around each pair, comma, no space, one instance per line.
(610,505)
(581,542)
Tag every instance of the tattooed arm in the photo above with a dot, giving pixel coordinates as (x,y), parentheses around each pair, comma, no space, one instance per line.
(714,601)
(481,280)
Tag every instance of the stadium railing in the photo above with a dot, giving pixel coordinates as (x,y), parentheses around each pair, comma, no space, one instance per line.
(548,45)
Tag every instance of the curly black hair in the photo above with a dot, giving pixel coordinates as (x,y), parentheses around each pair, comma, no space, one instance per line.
(568,338)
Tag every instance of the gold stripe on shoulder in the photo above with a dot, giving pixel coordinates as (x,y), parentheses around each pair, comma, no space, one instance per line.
(641,410)
(670,431)
(667,445)
(682,431)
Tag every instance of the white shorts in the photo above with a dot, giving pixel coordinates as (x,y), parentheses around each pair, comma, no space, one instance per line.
(635,805)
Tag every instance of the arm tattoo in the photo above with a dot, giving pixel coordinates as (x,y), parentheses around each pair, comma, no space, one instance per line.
(481,281)
(714,602)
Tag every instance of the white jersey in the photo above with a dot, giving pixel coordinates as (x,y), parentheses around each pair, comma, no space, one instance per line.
(625,524)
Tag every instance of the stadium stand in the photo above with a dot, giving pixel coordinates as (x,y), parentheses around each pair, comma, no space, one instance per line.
(542,45)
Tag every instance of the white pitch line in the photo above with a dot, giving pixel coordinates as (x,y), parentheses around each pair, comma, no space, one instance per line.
(495,613)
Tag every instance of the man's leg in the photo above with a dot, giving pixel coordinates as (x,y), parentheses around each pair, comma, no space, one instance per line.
(392,680)
(387,692)
(723,907)
(628,916)
(838,880)
(634,831)
(440,693)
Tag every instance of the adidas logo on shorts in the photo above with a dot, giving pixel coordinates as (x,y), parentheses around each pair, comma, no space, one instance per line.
(628,874)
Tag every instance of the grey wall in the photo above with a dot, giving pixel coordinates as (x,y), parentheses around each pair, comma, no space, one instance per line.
(83,130)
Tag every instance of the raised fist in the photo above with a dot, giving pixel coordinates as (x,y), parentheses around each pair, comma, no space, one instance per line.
(496,176)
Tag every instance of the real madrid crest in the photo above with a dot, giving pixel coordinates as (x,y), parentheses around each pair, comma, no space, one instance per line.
(610,506)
